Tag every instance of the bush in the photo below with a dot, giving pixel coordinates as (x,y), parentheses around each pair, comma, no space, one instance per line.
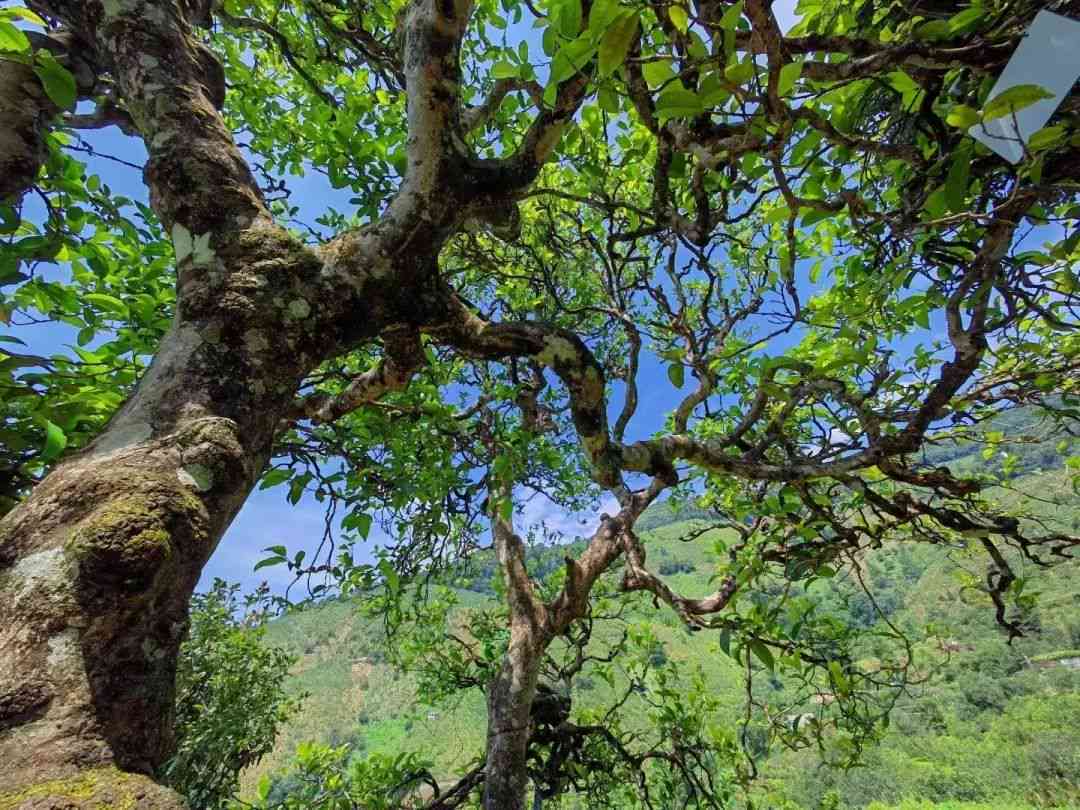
(230,700)
(669,567)
(335,777)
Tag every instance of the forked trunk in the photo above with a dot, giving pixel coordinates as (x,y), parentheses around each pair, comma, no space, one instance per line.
(98,565)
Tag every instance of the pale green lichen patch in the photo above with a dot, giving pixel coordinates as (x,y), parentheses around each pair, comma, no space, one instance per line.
(123,435)
(557,349)
(181,240)
(197,476)
(187,245)
(635,456)
(152,651)
(114,8)
(202,254)
(593,382)
(33,574)
(64,649)
(594,445)
(157,142)
(255,341)
(299,308)
(211,333)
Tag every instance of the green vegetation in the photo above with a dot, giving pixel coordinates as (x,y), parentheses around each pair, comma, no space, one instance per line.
(618,252)
(988,723)
(230,698)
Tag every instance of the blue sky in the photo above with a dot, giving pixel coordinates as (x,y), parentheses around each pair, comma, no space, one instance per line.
(267,518)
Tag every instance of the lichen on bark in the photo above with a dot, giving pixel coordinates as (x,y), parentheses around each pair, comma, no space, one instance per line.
(98,789)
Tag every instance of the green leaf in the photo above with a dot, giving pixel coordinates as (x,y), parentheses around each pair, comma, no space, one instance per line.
(712,93)
(107,302)
(12,39)
(763,654)
(837,672)
(57,80)
(740,72)
(608,100)
(602,14)
(910,90)
(1016,98)
(732,16)
(263,790)
(935,203)
(362,524)
(567,18)
(789,75)
(678,102)
(55,441)
(932,30)
(390,575)
(269,561)
(676,372)
(280,551)
(19,12)
(781,213)
(274,477)
(1046,138)
(962,117)
(572,57)
(615,43)
(816,215)
(504,70)
(657,72)
(679,18)
(551,94)
(967,20)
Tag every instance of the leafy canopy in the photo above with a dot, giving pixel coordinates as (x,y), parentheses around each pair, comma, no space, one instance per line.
(698,254)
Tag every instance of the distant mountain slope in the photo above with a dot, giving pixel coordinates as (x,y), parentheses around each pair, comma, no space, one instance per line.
(356,696)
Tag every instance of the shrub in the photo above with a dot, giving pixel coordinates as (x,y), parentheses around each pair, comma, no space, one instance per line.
(230,700)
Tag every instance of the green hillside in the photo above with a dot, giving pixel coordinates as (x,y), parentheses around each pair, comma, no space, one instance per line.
(991,723)
(356,696)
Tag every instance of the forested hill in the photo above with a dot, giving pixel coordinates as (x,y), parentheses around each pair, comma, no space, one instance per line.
(993,723)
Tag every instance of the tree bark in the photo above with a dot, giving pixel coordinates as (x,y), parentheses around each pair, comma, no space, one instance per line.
(509,704)
(510,695)
(98,565)
(533,625)
(24,110)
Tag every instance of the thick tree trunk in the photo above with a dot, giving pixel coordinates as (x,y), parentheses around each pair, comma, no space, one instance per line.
(98,565)
(510,695)
(533,624)
(509,705)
